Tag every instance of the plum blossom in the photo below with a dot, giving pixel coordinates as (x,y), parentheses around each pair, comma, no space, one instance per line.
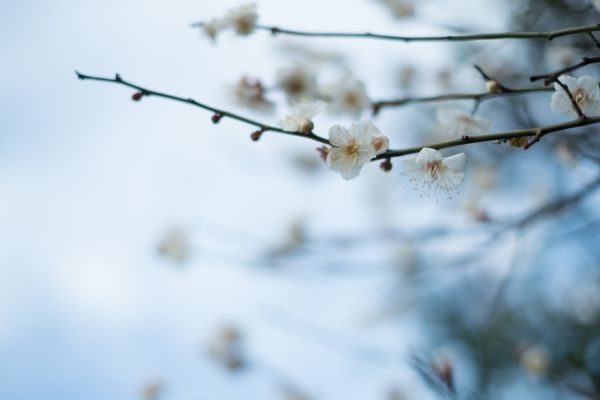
(301,115)
(348,95)
(242,19)
(456,123)
(298,81)
(585,91)
(434,171)
(354,147)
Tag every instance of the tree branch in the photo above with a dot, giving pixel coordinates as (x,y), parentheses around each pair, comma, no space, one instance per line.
(218,112)
(549,35)
(501,136)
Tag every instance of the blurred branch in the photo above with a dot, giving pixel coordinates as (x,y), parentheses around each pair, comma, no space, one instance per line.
(549,35)
(538,133)
(378,105)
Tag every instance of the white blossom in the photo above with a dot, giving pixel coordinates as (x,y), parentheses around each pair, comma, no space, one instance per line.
(354,147)
(454,122)
(242,19)
(434,171)
(348,95)
(301,115)
(298,81)
(585,91)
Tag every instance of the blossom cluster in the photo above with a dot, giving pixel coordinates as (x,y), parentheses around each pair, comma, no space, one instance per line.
(354,146)
(241,19)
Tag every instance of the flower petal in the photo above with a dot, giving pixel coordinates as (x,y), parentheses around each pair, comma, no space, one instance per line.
(455,163)
(590,86)
(338,135)
(309,109)
(426,155)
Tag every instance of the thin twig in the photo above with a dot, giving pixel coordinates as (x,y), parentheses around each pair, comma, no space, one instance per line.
(553,76)
(549,35)
(222,113)
(501,136)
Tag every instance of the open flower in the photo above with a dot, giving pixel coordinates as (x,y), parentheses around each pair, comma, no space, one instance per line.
(242,19)
(300,118)
(456,123)
(348,95)
(354,147)
(585,91)
(435,172)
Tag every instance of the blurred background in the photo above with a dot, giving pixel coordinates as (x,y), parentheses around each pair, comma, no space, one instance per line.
(147,253)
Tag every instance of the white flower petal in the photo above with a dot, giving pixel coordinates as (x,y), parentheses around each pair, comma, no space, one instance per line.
(290,123)
(572,83)
(455,163)
(338,135)
(590,85)
(592,109)
(352,172)
(427,155)
(309,109)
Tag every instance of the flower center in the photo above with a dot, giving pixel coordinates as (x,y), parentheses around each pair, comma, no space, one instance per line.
(351,149)
(351,100)
(434,168)
(580,98)
(465,119)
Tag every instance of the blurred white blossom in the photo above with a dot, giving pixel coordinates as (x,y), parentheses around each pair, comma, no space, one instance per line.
(301,115)
(596,4)
(354,147)
(298,81)
(434,171)
(455,123)
(242,19)
(400,8)
(175,246)
(251,93)
(212,28)
(535,360)
(585,91)
(347,96)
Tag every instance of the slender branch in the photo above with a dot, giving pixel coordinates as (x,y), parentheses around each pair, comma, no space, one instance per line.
(221,113)
(549,35)
(501,136)
(378,105)
(553,76)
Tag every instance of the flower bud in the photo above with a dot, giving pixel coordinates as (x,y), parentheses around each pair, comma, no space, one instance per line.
(216,118)
(386,165)
(256,135)
(137,96)
(306,126)
(492,86)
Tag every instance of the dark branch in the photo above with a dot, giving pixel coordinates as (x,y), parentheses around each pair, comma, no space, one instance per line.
(501,136)
(549,35)
(553,76)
